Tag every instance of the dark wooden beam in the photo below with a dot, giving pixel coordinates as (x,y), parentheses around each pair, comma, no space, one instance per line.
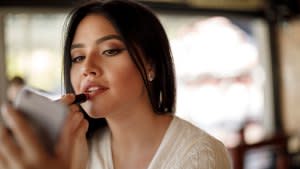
(36,3)
(158,6)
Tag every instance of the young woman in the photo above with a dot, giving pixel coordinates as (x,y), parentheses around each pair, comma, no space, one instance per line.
(118,53)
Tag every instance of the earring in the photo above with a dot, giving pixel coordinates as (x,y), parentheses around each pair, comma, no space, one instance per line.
(150,76)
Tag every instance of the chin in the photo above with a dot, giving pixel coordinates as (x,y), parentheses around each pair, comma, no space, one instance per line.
(93,115)
(93,111)
(96,115)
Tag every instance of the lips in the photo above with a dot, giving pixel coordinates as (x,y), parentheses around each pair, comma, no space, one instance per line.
(93,89)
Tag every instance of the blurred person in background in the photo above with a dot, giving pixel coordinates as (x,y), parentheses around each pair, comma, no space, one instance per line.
(14,86)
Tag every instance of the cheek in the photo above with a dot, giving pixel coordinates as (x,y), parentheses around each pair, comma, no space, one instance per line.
(129,81)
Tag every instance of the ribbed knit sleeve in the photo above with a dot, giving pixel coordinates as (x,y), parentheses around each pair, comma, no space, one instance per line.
(206,156)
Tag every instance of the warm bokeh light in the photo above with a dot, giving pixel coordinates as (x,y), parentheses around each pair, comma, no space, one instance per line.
(217,87)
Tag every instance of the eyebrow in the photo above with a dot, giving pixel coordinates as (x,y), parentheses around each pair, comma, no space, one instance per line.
(98,41)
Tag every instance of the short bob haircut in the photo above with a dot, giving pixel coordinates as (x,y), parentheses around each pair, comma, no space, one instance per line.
(145,39)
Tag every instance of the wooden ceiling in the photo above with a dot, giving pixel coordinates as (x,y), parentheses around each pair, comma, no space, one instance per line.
(282,8)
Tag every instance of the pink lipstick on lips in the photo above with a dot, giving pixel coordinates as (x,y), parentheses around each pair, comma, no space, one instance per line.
(93,89)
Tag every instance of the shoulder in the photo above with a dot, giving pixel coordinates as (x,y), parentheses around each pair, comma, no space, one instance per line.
(200,150)
(191,134)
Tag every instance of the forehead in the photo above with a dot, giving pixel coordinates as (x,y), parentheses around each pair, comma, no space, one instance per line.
(94,24)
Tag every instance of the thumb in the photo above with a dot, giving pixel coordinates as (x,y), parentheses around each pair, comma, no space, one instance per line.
(67,99)
(80,153)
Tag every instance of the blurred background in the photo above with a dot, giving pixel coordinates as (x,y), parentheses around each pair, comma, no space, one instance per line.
(236,64)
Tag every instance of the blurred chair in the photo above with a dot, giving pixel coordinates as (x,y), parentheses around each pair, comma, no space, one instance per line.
(277,144)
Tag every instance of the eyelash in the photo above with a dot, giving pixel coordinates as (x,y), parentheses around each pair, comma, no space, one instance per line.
(109,53)
(77,59)
(113,52)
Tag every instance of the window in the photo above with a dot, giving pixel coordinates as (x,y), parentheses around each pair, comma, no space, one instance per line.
(34,49)
(222,76)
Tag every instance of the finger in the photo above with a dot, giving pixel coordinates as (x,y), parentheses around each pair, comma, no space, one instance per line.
(11,152)
(71,123)
(23,132)
(82,128)
(74,108)
(72,117)
(68,99)
(3,160)
(80,147)
(67,135)
(3,163)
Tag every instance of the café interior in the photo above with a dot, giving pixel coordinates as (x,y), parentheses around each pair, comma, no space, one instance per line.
(237,67)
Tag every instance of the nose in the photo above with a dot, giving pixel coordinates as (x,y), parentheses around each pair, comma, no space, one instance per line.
(89,72)
(90,68)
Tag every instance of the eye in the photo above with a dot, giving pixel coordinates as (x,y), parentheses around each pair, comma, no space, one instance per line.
(77,59)
(112,52)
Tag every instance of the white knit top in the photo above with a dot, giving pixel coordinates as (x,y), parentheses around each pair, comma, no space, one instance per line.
(184,146)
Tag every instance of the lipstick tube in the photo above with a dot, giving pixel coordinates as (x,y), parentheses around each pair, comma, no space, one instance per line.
(80,98)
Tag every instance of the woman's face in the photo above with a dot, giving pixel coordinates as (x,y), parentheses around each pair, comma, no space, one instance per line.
(102,67)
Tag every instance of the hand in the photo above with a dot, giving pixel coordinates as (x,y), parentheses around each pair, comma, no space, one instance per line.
(20,148)
(24,150)
(72,146)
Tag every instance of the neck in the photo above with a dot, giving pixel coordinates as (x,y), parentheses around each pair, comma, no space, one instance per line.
(136,136)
